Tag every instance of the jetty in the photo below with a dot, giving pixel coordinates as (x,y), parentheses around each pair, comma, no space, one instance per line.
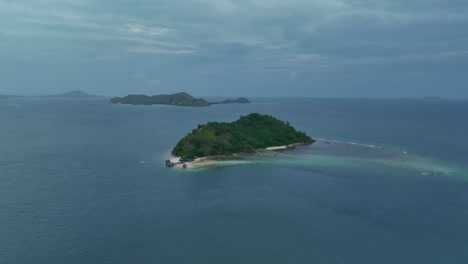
(180,161)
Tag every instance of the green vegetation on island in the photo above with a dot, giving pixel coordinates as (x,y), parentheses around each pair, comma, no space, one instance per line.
(179,99)
(245,135)
(240,100)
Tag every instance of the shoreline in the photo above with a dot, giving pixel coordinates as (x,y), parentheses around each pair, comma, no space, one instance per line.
(207,161)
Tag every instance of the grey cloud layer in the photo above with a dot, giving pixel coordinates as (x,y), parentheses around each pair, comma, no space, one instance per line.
(331,48)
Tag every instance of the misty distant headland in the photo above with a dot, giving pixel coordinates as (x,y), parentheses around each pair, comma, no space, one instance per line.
(71,94)
(432,97)
(6,96)
(177,99)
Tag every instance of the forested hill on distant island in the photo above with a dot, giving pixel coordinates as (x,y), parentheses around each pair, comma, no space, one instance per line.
(240,100)
(178,99)
(247,134)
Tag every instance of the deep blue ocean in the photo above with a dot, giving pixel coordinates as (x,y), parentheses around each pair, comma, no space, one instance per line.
(82,181)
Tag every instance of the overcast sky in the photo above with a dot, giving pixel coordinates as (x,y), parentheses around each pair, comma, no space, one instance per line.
(344,48)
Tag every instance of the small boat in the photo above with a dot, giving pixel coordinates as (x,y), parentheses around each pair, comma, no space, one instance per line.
(184,166)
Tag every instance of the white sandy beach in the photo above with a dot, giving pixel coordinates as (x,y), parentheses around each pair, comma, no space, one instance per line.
(203,162)
(278,147)
(215,161)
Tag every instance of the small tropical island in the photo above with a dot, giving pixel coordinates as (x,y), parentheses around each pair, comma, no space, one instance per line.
(240,100)
(177,99)
(246,135)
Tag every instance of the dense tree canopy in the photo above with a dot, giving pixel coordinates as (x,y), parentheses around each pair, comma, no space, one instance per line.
(179,99)
(247,134)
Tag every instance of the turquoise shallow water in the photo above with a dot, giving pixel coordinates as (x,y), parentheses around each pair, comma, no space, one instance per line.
(73,188)
(350,157)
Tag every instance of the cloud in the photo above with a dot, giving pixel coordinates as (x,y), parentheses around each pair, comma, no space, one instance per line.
(153,50)
(238,39)
(141,76)
(149,31)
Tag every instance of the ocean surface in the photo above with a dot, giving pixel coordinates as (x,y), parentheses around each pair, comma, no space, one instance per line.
(82,181)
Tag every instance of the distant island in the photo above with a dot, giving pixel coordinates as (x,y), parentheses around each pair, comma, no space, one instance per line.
(72,94)
(240,100)
(433,98)
(178,99)
(6,96)
(246,135)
